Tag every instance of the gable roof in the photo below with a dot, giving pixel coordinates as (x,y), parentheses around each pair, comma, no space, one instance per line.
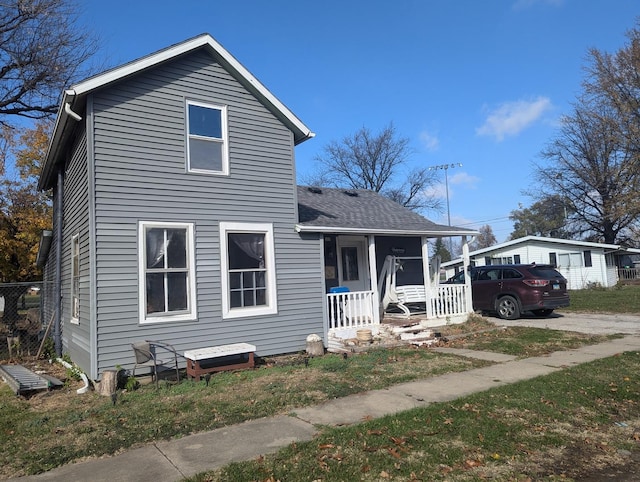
(74,98)
(359,211)
(540,239)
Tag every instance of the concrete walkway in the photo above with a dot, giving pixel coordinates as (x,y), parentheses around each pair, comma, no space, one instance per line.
(187,456)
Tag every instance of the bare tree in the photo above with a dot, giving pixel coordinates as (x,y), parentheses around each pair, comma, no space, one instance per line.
(376,161)
(41,50)
(594,161)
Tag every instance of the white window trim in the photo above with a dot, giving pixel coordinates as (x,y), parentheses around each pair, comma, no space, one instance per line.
(272,304)
(75,241)
(190,314)
(225,138)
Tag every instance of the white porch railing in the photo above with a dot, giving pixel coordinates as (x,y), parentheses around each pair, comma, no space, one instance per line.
(352,309)
(449,301)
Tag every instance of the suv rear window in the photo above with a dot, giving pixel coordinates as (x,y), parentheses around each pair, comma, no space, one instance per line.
(544,273)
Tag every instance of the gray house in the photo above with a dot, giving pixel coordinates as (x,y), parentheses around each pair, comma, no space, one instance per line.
(177,216)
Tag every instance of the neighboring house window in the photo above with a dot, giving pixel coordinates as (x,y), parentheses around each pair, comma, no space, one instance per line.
(501,260)
(552,260)
(487,260)
(568,260)
(247,269)
(587,258)
(207,145)
(516,259)
(75,278)
(167,272)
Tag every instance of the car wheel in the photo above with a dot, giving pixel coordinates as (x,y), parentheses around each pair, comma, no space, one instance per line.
(545,312)
(508,308)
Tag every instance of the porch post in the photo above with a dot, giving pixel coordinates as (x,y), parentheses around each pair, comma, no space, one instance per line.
(427,277)
(373,277)
(467,274)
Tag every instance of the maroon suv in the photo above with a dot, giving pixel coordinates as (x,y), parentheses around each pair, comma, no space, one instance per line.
(512,289)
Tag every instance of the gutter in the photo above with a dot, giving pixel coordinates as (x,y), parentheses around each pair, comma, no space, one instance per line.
(390,232)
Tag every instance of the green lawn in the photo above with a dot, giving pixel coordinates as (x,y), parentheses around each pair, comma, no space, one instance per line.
(54,428)
(620,299)
(567,426)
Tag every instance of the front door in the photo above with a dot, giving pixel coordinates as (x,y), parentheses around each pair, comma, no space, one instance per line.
(352,264)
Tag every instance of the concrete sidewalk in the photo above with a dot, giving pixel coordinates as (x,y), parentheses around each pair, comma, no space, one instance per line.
(187,456)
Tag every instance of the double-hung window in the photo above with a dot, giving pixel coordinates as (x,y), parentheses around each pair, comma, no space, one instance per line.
(248,269)
(75,278)
(207,144)
(167,272)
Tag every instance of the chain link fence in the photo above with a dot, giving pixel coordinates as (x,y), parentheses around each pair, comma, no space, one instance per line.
(22,327)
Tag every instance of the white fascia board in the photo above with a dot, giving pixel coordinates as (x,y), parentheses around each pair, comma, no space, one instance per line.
(386,232)
(179,49)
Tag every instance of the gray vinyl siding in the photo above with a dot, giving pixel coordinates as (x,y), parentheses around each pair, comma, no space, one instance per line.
(76,337)
(140,175)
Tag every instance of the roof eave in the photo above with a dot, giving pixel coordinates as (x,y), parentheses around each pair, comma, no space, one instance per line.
(300,130)
(80,90)
(301,228)
(60,131)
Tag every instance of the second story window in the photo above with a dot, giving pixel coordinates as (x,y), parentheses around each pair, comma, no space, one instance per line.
(207,138)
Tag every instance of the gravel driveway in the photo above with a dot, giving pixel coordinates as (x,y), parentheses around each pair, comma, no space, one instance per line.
(592,323)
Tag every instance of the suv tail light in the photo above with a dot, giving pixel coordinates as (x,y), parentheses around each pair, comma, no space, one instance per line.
(536,282)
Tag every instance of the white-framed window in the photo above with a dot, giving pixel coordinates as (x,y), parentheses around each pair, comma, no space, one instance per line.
(247,265)
(569,260)
(166,272)
(207,142)
(75,278)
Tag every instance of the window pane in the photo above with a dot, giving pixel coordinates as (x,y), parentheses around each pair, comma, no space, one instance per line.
(350,263)
(246,250)
(205,121)
(155,248)
(248,297)
(261,279)
(248,279)
(234,280)
(261,297)
(205,155)
(177,248)
(155,292)
(236,299)
(177,295)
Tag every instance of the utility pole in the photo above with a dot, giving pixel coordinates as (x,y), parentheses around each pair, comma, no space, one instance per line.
(445,168)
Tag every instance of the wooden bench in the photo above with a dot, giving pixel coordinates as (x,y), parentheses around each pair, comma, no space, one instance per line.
(219,358)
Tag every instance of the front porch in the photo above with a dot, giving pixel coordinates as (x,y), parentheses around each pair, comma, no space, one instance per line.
(351,312)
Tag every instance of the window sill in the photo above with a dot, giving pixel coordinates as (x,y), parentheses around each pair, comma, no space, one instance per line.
(249,312)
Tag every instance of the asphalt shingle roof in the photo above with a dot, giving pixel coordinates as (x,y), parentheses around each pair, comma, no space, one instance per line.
(362,210)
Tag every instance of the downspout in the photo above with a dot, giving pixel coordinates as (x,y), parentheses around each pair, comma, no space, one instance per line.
(70,113)
(59,206)
(57,296)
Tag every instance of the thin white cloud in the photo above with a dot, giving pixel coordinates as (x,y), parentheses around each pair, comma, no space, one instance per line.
(461,179)
(429,141)
(511,118)
(464,179)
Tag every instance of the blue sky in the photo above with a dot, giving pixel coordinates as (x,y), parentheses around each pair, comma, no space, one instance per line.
(476,82)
